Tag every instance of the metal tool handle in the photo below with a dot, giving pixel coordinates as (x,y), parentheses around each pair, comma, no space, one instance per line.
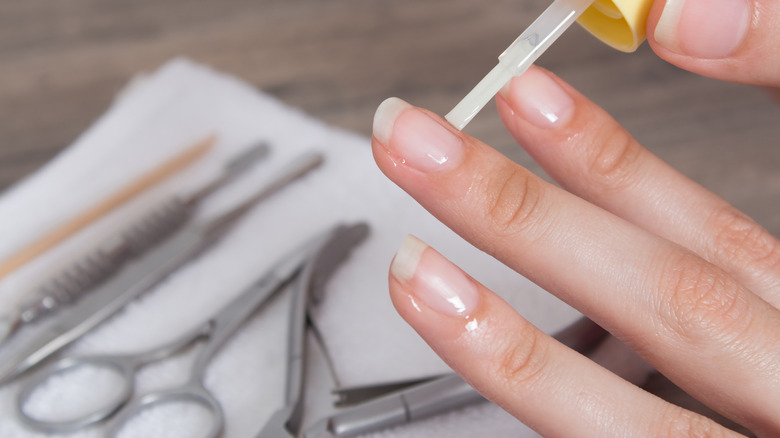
(152,228)
(434,397)
(125,366)
(299,167)
(192,392)
(101,263)
(122,366)
(422,401)
(308,293)
(137,278)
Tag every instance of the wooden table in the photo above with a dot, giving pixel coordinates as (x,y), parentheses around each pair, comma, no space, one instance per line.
(62,62)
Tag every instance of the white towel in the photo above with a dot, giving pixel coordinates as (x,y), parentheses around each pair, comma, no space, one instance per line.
(156,117)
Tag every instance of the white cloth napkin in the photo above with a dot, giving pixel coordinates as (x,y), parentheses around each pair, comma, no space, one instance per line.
(154,118)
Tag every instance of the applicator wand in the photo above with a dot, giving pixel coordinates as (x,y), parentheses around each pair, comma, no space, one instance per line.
(620,24)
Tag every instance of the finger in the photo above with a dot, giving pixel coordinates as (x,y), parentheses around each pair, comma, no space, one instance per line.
(734,40)
(547,386)
(591,155)
(685,316)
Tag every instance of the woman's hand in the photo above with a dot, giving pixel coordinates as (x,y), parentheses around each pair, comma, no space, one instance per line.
(671,269)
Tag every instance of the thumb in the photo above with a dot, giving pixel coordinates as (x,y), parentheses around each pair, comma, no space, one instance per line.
(734,40)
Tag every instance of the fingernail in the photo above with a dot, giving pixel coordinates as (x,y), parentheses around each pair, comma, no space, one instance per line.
(384,118)
(703,28)
(434,280)
(536,97)
(416,138)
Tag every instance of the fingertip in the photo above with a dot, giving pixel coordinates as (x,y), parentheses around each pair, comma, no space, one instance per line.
(539,99)
(417,139)
(433,280)
(723,39)
(707,29)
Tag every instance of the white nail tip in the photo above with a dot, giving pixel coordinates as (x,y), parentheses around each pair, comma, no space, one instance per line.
(408,257)
(385,116)
(666,29)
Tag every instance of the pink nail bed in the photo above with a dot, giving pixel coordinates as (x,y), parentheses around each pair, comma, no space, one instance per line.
(539,99)
(420,141)
(434,280)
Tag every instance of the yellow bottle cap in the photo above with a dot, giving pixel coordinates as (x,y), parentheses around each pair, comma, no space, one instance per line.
(619,23)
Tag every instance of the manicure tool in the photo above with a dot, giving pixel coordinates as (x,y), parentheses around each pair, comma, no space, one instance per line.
(287,420)
(312,264)
(141,275)
(99,264)
(618,23)
(431,398)
(98,210)
(351,396)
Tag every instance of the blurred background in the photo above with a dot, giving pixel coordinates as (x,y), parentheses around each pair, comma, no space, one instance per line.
(62,63)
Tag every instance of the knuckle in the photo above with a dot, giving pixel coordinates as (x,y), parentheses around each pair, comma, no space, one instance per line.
(513,201)
(741,241)
(614,160)
(521,363)
(685,424)
(700,302)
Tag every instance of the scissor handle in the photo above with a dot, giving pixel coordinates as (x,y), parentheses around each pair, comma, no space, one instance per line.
(124,367)
(192,392)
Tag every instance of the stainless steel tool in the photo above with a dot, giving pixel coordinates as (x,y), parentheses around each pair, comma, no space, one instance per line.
(288,419)
(432,397)
(101,263)
(311,263)
(141,275)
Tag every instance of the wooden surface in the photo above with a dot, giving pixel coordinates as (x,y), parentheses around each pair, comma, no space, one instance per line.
(61,62)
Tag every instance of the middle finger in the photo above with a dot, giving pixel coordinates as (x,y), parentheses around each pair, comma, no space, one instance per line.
(591,155)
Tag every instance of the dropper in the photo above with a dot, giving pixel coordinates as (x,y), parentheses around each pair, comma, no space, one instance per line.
(518,57)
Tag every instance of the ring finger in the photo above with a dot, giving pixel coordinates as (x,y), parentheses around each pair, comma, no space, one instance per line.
(546,385)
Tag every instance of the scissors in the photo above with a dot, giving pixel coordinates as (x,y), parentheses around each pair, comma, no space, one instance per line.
(312,264)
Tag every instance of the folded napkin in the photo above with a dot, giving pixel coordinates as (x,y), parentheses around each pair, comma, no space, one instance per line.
(154,118)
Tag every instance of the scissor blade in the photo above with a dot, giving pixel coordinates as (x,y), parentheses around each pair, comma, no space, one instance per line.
(135,279)
(332,254)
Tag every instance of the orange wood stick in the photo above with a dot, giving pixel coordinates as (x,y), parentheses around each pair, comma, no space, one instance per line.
(98,210)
